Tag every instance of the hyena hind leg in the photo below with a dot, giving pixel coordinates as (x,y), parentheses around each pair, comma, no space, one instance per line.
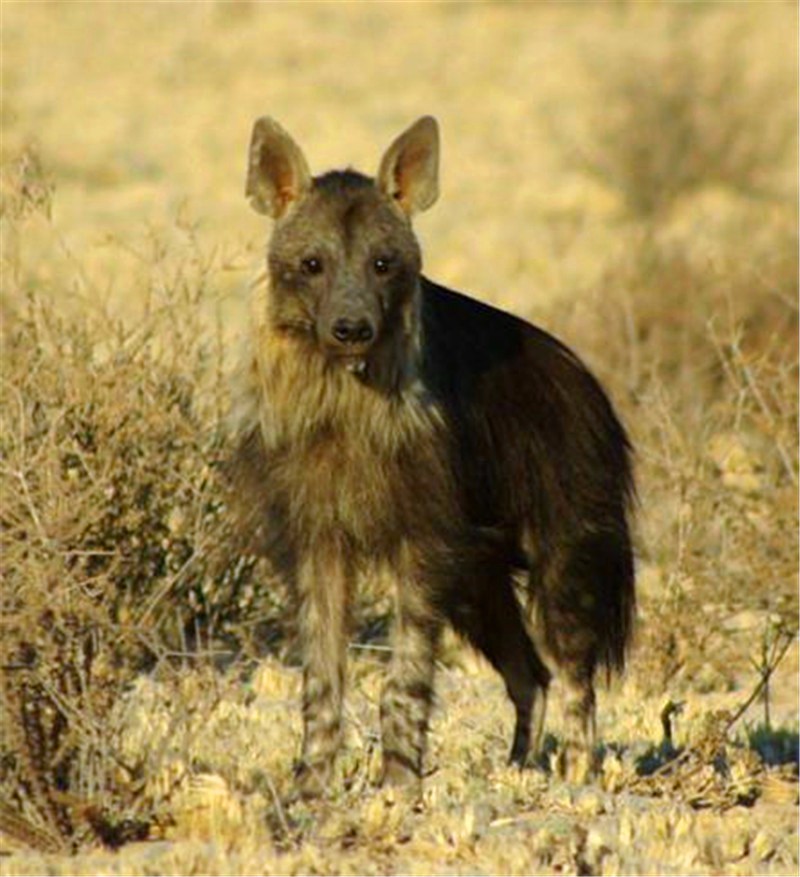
(572,640)
(576,761)
(587,610)
(489,615)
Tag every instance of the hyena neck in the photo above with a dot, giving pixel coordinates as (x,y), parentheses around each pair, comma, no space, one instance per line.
(297,394)
(394,366)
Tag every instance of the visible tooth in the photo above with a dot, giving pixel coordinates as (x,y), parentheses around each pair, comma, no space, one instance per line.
(357,366)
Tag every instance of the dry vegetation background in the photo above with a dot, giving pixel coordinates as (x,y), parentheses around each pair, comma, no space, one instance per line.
(623,174)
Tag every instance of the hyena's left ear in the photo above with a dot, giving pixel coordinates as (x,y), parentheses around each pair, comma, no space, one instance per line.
(409,171)
(277,171)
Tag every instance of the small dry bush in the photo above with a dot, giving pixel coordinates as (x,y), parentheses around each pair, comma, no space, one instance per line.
(681,111)
(95,455)
(117,554)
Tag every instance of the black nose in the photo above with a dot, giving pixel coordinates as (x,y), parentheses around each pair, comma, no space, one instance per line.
(347,331)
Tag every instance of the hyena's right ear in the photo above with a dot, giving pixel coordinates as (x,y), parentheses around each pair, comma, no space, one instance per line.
(277,172)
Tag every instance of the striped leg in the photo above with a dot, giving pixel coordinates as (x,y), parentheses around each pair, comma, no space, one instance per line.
(408,693)
(322,588)
(577,761)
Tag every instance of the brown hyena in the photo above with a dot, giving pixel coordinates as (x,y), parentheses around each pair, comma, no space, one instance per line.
(387,422)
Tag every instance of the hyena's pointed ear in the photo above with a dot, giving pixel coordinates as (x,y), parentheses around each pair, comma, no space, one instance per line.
(277,172)
(409,171)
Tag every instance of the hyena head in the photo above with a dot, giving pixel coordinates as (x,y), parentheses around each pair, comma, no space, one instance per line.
(343,261)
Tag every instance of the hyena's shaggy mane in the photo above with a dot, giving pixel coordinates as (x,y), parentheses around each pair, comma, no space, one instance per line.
(345,454)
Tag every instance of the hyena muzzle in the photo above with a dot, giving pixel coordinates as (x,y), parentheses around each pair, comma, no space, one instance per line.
(385,424)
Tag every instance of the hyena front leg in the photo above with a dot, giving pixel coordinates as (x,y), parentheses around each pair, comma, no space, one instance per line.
(322,587)
(408,692)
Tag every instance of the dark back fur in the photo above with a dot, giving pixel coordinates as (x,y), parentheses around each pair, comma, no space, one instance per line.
(541,454)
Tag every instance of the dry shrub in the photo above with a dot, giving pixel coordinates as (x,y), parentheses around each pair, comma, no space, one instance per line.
(107,501)
(683,110)
(117,554)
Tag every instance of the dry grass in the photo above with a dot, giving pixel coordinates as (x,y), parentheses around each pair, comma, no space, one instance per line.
(684,110)
(657,225)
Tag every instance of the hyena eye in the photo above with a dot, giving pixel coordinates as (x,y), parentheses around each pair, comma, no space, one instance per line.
(311,265)
(381,265)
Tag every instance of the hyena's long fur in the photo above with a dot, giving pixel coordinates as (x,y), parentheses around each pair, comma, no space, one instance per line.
(384,422)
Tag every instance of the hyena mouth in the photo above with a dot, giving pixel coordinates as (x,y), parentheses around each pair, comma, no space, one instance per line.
(356,365)
(354,362)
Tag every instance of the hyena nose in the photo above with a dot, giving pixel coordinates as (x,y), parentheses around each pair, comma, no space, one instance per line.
(347,331)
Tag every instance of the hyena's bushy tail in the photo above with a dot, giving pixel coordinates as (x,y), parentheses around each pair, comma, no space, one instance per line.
(609,569)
